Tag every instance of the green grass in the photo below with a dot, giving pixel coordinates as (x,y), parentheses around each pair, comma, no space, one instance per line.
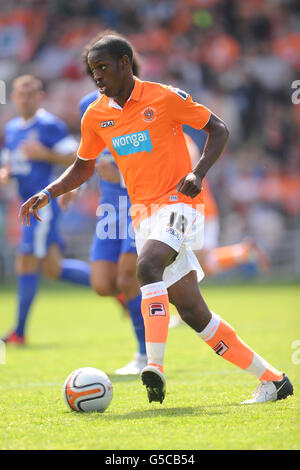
(71,328)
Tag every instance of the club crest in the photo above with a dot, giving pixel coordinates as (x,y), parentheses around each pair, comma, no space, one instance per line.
(149,114)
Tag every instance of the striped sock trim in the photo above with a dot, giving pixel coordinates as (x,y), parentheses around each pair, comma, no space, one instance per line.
(210,328)
(155,353)
(154,290)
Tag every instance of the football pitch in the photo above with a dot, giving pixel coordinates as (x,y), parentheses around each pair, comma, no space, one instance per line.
(72,328)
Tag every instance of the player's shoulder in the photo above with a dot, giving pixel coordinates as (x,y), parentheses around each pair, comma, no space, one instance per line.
(46,118)
(13,124)
(165,90)
(155,87)
(88,99)
(97,104)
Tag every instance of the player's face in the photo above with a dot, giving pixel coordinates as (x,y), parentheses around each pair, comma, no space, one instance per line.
(108,72)
(26,99)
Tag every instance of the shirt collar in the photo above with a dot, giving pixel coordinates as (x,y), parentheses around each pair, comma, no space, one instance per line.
(137,90)
(29,122)
(135,94)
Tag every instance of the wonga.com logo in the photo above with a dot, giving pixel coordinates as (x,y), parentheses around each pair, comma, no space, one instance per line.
(132,143)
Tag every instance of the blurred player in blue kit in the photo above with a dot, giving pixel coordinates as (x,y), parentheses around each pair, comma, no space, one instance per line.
(113,258)
(35,144)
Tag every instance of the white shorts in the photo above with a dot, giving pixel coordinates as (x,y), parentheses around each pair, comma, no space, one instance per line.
(211,233)
(181,227)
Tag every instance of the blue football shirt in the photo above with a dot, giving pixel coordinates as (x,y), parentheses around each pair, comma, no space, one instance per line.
(32,175)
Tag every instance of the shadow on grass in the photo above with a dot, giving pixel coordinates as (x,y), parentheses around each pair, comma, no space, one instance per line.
(172,412)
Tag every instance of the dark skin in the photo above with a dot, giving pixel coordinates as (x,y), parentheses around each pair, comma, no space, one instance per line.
(115,79)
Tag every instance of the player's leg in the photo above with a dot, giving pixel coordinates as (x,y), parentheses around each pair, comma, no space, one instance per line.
(51,245)
(54,266)
(222,338)
(153,259)
(32,246)
(103,277)
(128,284)
(163,260)
(27,286)
(104,259)
(207,245)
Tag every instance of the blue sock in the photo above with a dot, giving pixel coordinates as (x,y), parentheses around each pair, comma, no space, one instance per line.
(27,288)
(134,308)
(75,270)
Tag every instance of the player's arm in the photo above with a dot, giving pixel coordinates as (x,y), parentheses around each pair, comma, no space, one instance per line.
(72,178)
(5,170)
(35,150)
(4,175)
(218,134)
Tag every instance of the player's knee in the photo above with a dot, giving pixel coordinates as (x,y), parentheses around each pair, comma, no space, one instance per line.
(148,270)
(102,287)
(50,271)
(126,280)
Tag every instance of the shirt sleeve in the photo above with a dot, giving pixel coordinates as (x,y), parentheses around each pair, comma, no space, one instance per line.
(91,144)
(54,131)
(183,110)
(56,136)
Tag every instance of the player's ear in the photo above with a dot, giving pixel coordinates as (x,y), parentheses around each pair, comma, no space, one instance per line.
(125,61)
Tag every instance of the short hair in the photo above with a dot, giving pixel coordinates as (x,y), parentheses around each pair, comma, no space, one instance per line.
(117,46)
(25,80)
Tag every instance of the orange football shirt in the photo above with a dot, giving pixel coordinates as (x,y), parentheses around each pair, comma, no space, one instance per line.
(146,139)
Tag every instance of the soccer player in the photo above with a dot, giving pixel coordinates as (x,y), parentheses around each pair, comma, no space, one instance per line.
(113,260)
(146,139)
(35,143)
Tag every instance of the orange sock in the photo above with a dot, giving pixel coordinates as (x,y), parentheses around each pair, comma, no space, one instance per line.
(225,257)
(222,338)
(155,311)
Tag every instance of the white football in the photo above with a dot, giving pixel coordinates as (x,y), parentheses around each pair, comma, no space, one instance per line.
(88,389)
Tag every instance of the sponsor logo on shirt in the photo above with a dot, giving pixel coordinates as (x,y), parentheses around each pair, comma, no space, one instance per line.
(132,143)
(107,123)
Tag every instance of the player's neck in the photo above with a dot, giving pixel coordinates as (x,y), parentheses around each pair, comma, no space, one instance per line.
(125,92)
(29,116)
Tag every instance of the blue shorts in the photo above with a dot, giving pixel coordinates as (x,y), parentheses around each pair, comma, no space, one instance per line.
(114,233)
(36,239)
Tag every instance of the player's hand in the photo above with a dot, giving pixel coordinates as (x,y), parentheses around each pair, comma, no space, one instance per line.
(31,206)
(190,185)
(108,171)
(35,150)
(4,176)
(66,199)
